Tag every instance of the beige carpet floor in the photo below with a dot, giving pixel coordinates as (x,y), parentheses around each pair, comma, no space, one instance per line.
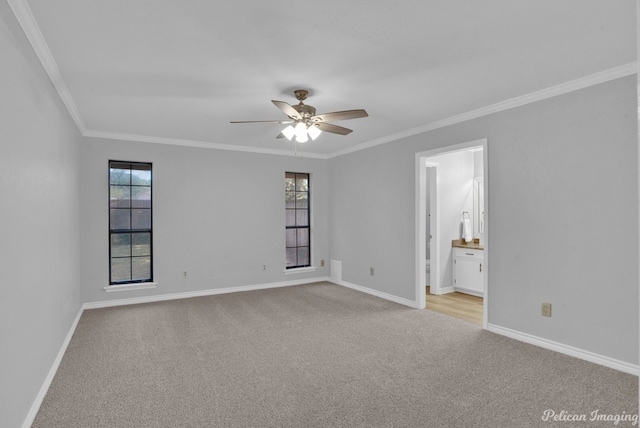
(316,355)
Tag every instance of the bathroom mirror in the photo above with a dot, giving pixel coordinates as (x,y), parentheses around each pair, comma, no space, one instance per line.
(478,206)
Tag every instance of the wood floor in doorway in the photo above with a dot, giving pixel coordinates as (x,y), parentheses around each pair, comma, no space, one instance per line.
(459,305)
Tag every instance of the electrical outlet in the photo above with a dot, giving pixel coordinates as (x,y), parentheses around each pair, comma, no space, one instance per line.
(322,263)
(184,274)
(546,309)
(371,271)
(264,267)
(212,272)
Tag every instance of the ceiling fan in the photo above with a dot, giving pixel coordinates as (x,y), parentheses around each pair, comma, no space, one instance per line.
(304,122)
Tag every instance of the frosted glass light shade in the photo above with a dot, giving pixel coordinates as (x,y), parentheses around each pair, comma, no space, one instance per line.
(289,132)
(301,133)
(314,132)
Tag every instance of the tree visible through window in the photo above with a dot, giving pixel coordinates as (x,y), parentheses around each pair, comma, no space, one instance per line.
(130,234)
(297,224)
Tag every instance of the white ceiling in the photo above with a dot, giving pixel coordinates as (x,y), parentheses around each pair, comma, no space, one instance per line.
(177,72)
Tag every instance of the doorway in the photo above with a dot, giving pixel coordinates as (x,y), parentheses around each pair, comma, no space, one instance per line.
(432,218)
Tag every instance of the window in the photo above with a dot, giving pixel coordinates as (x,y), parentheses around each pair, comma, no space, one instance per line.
(297,226)
(130,234)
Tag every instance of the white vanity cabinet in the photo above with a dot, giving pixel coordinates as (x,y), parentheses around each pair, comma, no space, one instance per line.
(468,274)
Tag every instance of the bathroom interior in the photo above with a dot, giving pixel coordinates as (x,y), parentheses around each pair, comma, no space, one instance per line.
(457,287)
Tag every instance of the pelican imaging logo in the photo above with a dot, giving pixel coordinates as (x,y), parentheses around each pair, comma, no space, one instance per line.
(594,416)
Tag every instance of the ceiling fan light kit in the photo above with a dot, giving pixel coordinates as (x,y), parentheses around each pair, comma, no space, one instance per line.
(303,121)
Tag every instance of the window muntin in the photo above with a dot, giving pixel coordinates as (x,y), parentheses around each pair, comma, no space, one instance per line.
(130,219)
(297,220)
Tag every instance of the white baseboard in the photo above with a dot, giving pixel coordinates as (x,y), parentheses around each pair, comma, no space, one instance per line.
(523,337)
(382,295)
(33,411)
(35,407)
(566,349)
(446,290)
(199,293)
(469,291)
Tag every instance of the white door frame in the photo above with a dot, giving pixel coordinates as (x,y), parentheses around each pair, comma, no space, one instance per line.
(421,164)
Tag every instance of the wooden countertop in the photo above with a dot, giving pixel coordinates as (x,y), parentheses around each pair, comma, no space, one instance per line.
(474,245)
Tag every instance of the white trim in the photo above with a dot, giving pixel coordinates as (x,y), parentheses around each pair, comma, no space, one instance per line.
(25,17)
(566,349)
(468,291)
(523,337)
(421,162)
(35,407)
(129,287)
(421,229)
(199,144)
(199,293)
(563,88)
(300,270)
(382,295)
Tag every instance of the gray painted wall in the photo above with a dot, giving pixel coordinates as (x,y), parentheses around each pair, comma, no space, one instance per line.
(39,236)
(563,224)
(214,210)
(575,245)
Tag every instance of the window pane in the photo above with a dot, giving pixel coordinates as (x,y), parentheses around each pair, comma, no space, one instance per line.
(302,200)
(290,218)
(303,256)
(120,269)
(141,197)
(302,183)
(141,268)
(302,218)
(119,197)
(291,257)
(289,182)
(291,237)
(141,244)
(119,219)
(141,219)
(290,199)
(120,245)
(140,176)
(302,237)
(119,176)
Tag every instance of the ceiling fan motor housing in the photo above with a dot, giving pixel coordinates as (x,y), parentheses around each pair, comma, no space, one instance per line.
(305,110)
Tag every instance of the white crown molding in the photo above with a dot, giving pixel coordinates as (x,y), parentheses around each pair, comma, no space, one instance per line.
(25,18)
(563,88)
(200,144)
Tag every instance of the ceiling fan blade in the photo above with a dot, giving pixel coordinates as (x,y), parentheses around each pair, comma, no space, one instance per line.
(334,129)
(280,135)
(262,121)
(340,115)
(287,109)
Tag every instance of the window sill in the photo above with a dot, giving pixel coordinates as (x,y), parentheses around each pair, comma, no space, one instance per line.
(130,287)
(300,270)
